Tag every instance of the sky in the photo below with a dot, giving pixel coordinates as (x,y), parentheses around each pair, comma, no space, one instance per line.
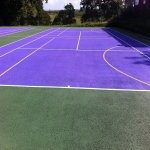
(59,4)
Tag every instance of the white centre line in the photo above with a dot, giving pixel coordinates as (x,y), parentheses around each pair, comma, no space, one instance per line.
(62,32)
(27,55)
(78,41)
(24,58)
(27,43)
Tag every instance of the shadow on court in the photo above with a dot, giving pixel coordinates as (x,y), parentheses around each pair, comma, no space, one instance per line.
(123,39)
(141,60)
(126,41)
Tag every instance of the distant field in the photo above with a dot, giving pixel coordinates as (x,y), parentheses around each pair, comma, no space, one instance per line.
(78,14)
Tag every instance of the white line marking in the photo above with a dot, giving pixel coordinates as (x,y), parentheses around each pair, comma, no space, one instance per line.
(137,35)
(136,79)
(76,88)
(130,45)
(74,37)
(25,37)
(100,50)
(13,32)
(25,44)
(131,38)
(47,49)
(78,41)
(25,58)
(62,32)
(105,50)
(44,49)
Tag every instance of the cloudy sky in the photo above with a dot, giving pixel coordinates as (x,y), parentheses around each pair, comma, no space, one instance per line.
(59,4)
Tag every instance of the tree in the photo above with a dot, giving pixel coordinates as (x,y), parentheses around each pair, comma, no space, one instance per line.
(8,11)
(93,9)
(14,12)
(59,19)
(65,16)
(70,14)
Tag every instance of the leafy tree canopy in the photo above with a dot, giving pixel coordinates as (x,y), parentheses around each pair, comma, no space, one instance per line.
(94,9)
(15,12)
(65,16)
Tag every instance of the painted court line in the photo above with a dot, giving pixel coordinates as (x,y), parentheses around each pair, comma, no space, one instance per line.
(47,49)
(78,41)
(17,31)
(135,34)
(131,38)
(44,49)
(7,31)
(100,50)
(75,88)
(25,38)
(25,44)
(62,32)
(136,79)
(83,37)
(133,51)
(130,45)
(24,58)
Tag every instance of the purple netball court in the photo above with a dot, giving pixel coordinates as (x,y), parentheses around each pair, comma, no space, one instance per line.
(78,58)
(7,31)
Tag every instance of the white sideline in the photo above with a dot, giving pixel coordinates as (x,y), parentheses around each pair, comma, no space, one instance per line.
(26,44)
(130,45)
(27,56)
(24,38)
(130,37)
(78,41)
(76,88)
(135,34)
(15,32)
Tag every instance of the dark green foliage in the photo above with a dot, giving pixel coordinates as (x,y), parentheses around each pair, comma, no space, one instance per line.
(65,16)
(23,12)
(90,15)
(94,9)
(8,11)
(135,18)
(59,19)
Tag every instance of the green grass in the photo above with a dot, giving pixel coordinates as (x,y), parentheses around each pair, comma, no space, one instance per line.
(13,37)
(78,15)
(72,119)
(78,23)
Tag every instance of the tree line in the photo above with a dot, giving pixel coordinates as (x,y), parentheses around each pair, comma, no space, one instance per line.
(93,10)
(100,10)
(23,12)
(30,12)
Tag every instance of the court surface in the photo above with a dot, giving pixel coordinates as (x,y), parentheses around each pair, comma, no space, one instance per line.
(7,31)
(74,89)
(96,58)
